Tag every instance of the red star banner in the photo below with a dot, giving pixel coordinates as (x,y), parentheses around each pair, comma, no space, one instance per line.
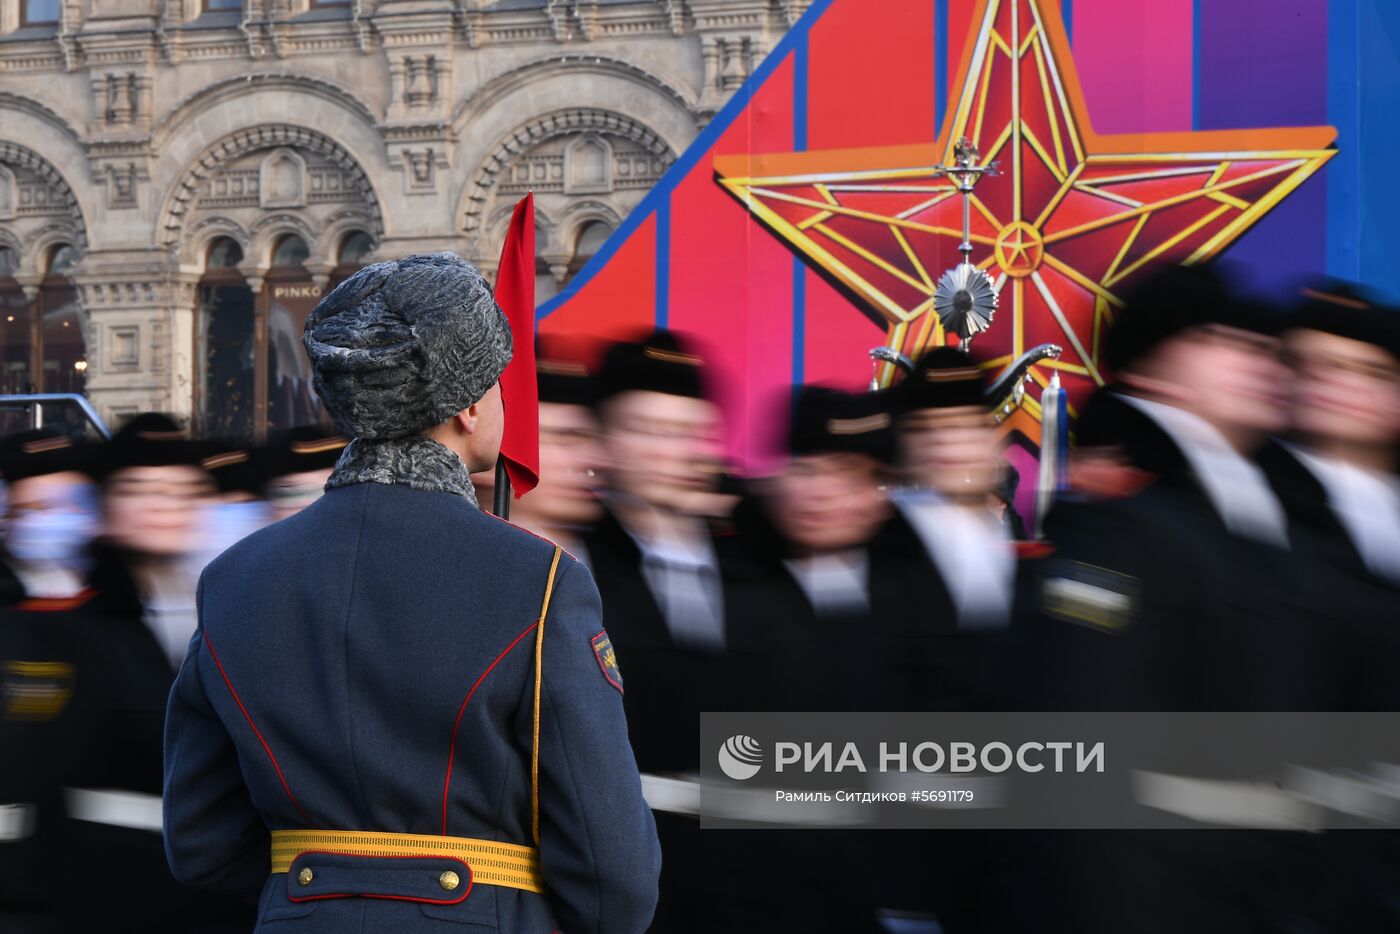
(1071,221)
(807,223)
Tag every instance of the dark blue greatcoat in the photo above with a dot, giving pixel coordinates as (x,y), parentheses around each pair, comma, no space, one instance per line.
(368,664)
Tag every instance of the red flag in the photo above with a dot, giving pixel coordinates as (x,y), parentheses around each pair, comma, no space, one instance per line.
(515,293)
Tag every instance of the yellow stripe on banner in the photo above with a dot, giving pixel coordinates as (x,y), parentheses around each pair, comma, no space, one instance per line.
(505,864)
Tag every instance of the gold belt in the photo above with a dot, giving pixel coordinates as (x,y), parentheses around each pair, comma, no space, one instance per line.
(492,863)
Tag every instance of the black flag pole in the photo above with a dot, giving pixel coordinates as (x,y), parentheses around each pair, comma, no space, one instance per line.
(500,504)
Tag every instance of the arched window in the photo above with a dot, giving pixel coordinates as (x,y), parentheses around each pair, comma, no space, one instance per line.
(224,253)
(590,240)
(42,347)
(255,377)
(286,398)
(225,328)
(291,250)
(14,331)
(355,247)
(546,286)
(62,353)
(61,260)
(350,255)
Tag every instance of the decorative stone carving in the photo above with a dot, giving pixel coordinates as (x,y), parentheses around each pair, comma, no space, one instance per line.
(422,164)
(586,12)
(351,183)
(523,162)
(587,165)
(734,52)
(675,12)
(121,100)
(558,13)
(121,105)
(121,185)
(417,88)
(419,163)
(421,88)
(282,180)
(123,348)
(41,193)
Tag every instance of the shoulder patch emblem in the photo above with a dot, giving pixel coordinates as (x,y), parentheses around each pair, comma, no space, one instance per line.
(607,659)
(1091,596)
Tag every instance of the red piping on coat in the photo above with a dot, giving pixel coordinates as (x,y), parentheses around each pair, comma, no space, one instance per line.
(256,732)
(452,749)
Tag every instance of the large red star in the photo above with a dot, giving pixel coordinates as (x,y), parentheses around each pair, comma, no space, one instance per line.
(1073,218)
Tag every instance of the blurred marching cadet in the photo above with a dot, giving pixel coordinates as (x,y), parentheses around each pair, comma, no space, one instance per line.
(958,561)
(811,609)
(953,504)
(237,510)
(1174,588)
(399,713)
(108,656)
(299,462)
(658,568)
(654,558)
(1337,476)
(566,501)
(155,495)
(810,577)
(50,517)
(1199,389)
(951,574)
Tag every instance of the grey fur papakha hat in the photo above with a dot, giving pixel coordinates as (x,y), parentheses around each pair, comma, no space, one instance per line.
(402,346)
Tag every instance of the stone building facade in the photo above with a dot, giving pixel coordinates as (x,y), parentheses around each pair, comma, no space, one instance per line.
(180,180)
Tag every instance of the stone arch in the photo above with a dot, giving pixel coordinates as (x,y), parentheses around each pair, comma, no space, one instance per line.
(271,229)
(9,101)
(326,247)
(75,228)
(547,230)
(38,244)
(171,222)
(206,230)
(244,85)
(550,126)
(583,213)
(14,243)
(497,88)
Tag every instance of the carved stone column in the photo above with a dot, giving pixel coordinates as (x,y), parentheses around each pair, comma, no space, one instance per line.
(140,335)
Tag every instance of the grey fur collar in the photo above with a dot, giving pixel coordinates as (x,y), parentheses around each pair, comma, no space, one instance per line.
(415,461)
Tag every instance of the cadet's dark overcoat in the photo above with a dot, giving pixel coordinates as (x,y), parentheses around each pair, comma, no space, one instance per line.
(368,664)
(85,753)
(1150,603)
